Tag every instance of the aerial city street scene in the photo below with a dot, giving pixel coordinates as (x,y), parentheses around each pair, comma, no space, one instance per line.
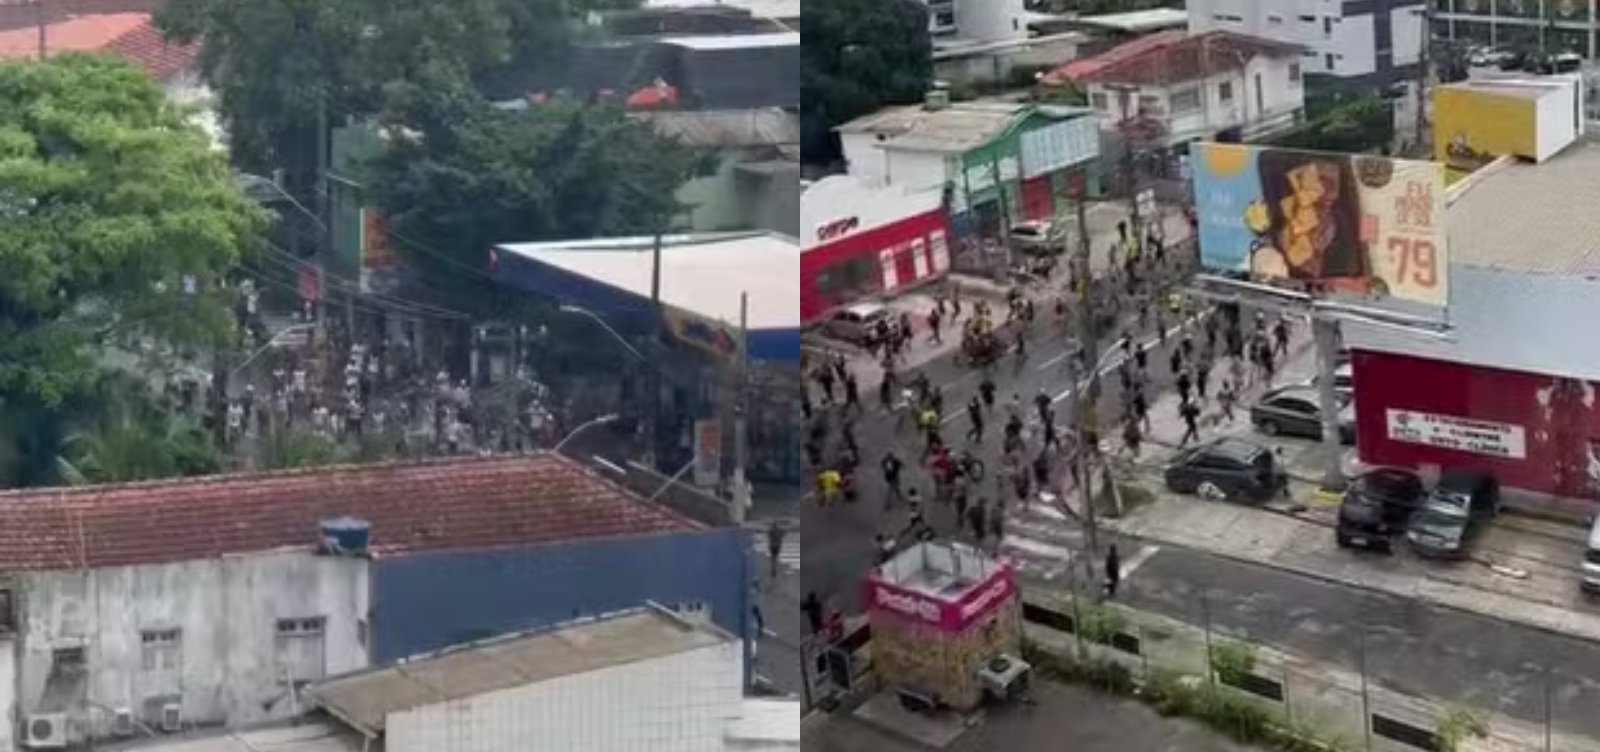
(399,375)
(1202,375)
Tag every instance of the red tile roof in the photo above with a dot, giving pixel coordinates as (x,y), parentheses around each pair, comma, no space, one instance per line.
(443,504)
(131,36)
(1169,57)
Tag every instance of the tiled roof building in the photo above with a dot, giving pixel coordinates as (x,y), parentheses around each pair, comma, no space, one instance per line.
(130,36)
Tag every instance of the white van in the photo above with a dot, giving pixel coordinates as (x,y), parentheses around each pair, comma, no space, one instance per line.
(1589,571)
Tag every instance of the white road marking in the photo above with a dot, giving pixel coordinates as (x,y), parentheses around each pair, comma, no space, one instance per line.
(1037,548)
(1138,559)
(1146,346)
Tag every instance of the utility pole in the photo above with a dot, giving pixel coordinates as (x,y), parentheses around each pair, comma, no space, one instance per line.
(653,410)
(1424,57)
(41,17)
(741,486)
(1084,404)
(322,216)
(1325,334)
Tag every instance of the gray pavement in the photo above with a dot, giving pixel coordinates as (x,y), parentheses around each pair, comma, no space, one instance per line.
(1066,718)
(778,650)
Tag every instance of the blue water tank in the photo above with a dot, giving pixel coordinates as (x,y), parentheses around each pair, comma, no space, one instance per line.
(346,536)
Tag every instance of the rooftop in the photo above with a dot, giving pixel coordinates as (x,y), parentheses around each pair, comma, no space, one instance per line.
(945,572)
(365,699)
(304,737)
(1520,216)
(1169,57)
(736,41)
(780,9)
(443,504)
(701,273)
(954,128)
(130,36)
(1139,21)
(768,126)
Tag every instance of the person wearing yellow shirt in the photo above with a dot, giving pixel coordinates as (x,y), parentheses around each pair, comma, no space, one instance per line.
(829,482)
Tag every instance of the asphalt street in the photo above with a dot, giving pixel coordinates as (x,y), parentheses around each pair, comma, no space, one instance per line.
(1462,657)
(778,650)
(839,545)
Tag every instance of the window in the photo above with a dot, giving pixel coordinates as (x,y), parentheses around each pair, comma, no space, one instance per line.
(1099,101)
(300,649)
(1294,73)
(1187,100)
(1327,27)
(8,617)
(161,649)
(1225,91)
(1328,59)
(69,659)
(1149,104)
(1275,20)
(944,18)
(1309,19)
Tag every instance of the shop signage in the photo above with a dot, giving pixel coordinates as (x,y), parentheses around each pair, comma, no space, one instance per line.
(711,336)
(1060,145)
(837,228)
(947,616)
(707,453)
(981,176)
(1484,437)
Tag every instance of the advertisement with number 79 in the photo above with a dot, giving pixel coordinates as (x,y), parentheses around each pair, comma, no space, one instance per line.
(1323,222)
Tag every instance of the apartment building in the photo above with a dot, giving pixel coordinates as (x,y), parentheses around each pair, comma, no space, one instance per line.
(1359,44)
(1555,25)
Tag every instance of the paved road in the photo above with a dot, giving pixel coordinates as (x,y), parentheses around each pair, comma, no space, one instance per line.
(778,652)
(1066,718)
(1456,655)
(839,538)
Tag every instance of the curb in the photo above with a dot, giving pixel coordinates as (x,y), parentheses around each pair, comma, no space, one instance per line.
(1368,587)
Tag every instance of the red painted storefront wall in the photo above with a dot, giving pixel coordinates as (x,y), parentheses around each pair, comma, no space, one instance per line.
(865,246)
(1559,418)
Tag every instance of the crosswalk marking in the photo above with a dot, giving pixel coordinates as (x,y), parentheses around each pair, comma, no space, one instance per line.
(1044,541)
(788,553)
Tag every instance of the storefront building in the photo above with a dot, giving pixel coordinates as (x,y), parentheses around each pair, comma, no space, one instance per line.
(860,240)
(1511,387)
(1000,163)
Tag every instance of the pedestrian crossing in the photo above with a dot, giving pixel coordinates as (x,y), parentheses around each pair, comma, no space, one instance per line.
(788,553)
(1045,542)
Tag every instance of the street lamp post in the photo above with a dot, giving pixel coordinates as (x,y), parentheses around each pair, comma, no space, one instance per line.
(584,426)
(652,417)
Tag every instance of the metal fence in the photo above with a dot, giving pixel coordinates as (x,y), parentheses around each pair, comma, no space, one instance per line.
(1357,702)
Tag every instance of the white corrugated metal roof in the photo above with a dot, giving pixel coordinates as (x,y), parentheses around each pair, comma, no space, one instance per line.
(736,41)
(1535,218)
(700,273)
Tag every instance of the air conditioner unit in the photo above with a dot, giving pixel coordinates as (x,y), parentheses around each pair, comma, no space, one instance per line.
(172,717)
(122,722)
(45,731)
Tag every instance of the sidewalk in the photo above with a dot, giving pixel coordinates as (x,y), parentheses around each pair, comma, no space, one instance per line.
(1523,571)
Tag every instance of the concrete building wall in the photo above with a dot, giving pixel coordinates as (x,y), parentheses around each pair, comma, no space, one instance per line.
(224,660)
(1199,108)
(425,602)
(991,20)
(678,703)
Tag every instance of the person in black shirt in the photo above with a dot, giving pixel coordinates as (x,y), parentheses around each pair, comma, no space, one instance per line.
(986,391)
(891,477)
(811,605)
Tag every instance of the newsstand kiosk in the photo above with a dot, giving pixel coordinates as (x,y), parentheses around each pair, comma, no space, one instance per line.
(946,626)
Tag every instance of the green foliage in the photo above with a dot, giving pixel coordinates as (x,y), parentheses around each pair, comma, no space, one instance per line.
(460,175)
(859,56)
(275,65)
(1232,661)
(147,447)
(1099,623)
(1354,124)
(1457,725)
(283,450)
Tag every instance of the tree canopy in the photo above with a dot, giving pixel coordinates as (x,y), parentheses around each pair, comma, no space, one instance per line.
(278,66)
(860,56)
(118,223)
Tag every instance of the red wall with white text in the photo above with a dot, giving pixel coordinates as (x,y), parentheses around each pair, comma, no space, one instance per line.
(852,267)
(1558,417)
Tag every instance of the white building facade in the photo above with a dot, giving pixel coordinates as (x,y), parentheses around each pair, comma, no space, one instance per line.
(117,651)
(1363,43)
(977,20)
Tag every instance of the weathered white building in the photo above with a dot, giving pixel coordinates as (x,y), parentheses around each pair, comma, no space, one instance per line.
(1365,43)
(100,651)
(647,680)
(1194,86)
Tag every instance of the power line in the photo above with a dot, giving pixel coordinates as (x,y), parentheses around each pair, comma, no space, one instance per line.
(364,308)
(299,264)
(346,287)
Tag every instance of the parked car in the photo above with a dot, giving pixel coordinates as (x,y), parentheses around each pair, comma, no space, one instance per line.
(1293,411)
(1038,237)
(1455,512)
(1228,469)
(1377,506)
(1589,570)
(1344,380)
(857,323)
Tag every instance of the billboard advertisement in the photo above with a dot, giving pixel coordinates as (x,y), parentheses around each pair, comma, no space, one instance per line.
(1472,127)
(1348,223)
(951,616)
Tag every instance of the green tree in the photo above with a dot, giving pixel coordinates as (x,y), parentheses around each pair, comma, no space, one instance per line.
(130,448)
(117,224)
(859,56)
(283,450)
(460,175)
(282,67)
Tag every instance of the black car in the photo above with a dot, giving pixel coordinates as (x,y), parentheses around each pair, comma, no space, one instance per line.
(1227,468)
(1455,512)
(1293,411)
(1377,506)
